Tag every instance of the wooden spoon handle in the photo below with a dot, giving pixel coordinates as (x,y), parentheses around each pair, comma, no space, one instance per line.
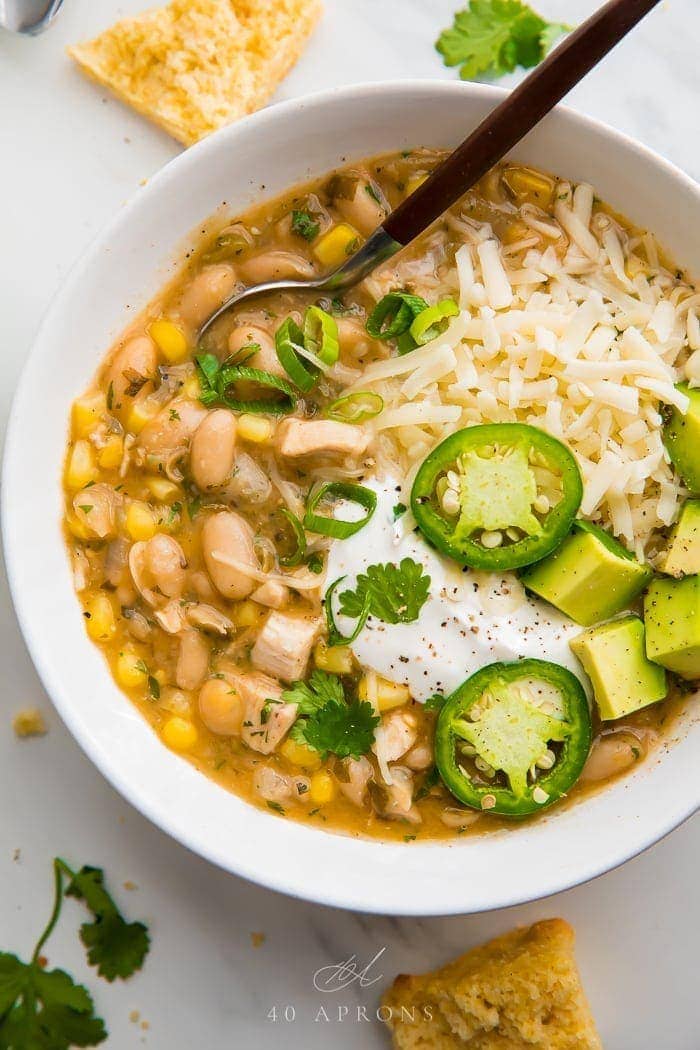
(516,116)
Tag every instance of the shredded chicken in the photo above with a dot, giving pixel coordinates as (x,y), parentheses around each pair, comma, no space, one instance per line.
(298,437)
(283,647)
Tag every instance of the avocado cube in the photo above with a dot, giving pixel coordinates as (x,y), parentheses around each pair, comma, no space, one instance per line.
(590,577)
(614,658)
(672,619)
(682,556)
(682,439)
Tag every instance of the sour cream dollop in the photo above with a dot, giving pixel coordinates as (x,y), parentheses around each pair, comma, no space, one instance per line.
(471,618)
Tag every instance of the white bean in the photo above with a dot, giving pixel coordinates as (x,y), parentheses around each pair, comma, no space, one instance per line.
(275,266)
(213,449)
(228,534)
(137,358)
(205,293)
(192,661)
(266,357)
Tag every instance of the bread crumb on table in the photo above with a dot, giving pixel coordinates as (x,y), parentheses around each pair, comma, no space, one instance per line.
(521,991)
(257,939)
(195,65)
(29,722)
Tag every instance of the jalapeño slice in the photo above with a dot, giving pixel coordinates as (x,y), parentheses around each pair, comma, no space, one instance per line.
(514,737)
(497,496)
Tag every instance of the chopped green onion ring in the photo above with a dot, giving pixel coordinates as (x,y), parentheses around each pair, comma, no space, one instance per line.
(288,338)
(394,314)
(232,374)
(335,637)
(338,529)
(429,323)
(321,335)
(355,408)
(298,555)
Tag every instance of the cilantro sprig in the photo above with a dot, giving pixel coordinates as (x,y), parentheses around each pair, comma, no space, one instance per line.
(46,1009)
(328,722)
(395,593)
(492,37)
(389,592)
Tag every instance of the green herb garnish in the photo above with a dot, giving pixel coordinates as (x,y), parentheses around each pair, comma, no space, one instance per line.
(304,225)
(494,36)
(328,722)
(398,510)
(45,1009)
(393,593)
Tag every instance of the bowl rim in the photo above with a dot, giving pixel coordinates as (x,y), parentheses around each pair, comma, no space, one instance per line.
(346,897)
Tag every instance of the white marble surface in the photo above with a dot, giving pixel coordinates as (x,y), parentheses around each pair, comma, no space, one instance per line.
(70,157)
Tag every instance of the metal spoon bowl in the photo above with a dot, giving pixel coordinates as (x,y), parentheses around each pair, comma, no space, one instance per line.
(28,16)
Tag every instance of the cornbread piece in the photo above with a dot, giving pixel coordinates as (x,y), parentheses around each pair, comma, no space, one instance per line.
(29,722)
(521,991)
(196,65)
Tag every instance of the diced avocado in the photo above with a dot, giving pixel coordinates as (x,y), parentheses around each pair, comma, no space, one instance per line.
(682,439)
(614,658)
(590,577)
(672,619)
(682,556)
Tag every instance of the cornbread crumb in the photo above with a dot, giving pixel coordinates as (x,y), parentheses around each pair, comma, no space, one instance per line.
(257,939)
(196,65)
(29,722)
(521,991)
(134,1016)
(129,885)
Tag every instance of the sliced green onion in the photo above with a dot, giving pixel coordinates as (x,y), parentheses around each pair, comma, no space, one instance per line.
(321,335)
(429,322)
(298,555)
(394,314)
(289,338)
(232,374)
(243,355)
(355,408)
(334,527)
(335,637)
(207,366)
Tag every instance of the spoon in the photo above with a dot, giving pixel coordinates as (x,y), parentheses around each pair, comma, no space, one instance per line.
(28,16)
(490,142)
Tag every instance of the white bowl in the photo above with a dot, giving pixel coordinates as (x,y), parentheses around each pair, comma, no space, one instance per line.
(265,155)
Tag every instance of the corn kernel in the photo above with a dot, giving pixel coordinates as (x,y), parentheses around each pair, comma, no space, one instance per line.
(180,734)
(384,694)
(337,659)
(335,246)
(161,676)
(248,614)
(99,618)
(130,671)
(169,339)
(300,755)
(191,388)
(322,788)
(110,455)
(82,467)
(254,428)
(141,412)
(87,413)
(530,186)
(163,490)
(515,231)
(414,182)
(140,521)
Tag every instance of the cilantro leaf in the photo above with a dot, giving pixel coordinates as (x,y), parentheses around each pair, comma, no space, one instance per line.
(44,1009)
(435,702)
(116,947)
(340,728)
(396,593)
(321,689)
(494,36)
(304,225)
